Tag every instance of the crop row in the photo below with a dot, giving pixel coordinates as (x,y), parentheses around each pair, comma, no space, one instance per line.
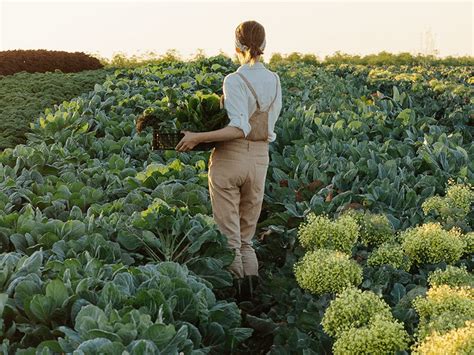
(108,246)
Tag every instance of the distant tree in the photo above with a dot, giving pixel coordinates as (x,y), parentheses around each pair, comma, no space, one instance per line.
(338,58)
(200,54)
(276,58)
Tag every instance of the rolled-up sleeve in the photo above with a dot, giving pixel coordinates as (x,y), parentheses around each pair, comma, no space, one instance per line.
(236,103)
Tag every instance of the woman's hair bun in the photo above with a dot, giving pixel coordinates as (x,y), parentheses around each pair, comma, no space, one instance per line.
(251,34)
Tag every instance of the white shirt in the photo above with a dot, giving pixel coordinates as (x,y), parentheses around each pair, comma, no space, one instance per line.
(239,102)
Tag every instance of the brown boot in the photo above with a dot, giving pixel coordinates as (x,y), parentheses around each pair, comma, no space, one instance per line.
(237,285)
(249,284)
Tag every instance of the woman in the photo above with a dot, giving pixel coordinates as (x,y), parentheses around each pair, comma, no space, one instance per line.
(239,162)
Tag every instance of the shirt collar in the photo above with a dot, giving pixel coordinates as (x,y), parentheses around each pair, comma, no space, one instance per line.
(257,65)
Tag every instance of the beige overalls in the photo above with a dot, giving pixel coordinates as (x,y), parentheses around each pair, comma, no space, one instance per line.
(237,172)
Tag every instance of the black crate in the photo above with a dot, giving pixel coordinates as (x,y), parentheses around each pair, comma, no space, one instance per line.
(169,141)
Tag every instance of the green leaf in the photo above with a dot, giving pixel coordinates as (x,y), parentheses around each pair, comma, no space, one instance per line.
(73,229)
(396,94)
(52,345)
(42,307)
(24,291)
(404,116)
(89,318)
(226,314)
(3,301)
(31,264)
(62,193)
(241,334)
(264,326)
(211,270)
(142,346)
(278,174)
(99,333)
(19,241)
(215,335)
(178,341)
(339,124)
(350,175)
(355,125)
(129,241)
(94,346)
(48,239)
(110,294)
(57,291)
(398,291)
(187,307)
(160,334)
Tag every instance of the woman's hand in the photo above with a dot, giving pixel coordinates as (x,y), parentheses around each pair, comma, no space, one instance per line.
(191,139)
(188,142)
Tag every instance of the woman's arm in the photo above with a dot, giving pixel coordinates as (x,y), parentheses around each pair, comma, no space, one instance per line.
(191,139)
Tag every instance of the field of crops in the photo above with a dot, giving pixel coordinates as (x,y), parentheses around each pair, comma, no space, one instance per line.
(365,240)
(24,96)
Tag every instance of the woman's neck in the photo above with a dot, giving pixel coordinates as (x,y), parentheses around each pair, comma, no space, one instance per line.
(257,60)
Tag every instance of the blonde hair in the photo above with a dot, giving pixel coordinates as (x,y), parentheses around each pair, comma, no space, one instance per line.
(251,34)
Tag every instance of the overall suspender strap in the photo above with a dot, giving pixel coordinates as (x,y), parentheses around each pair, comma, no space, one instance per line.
(255,94)
(251,89)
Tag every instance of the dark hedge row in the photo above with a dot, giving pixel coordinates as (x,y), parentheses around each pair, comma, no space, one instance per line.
(41,61)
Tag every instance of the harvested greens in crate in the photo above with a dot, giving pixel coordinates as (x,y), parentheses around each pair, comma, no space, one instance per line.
(197,112)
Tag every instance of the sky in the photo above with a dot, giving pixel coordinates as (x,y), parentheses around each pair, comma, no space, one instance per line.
(318,27)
